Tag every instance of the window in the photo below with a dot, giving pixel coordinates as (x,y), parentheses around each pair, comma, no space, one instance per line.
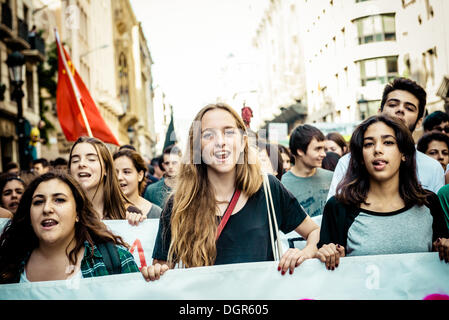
(378,70)
(376,28)
(428,59)
(123,81)
(337,84)
(406,3)
(83,26)
(25,14)
(429,10)
(346,77)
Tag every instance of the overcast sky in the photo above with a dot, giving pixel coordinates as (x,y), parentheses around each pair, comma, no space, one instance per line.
(189,41)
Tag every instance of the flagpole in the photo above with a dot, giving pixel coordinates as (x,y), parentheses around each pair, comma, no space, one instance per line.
(74,87)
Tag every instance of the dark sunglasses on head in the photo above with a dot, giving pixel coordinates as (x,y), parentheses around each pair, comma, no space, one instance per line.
(445,129)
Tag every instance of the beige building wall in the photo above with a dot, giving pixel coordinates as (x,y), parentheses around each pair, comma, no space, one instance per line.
(87,31)
(344,66)
(12,40)
(146,133)
(95,33)
(350,49)
(46,17)
(280,55)
(424,46)
(134,80)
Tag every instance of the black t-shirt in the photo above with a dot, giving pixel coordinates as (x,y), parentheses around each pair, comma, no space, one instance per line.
(246,236)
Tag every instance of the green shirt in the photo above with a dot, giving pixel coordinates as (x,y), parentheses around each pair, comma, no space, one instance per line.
(94,266)
(157,193)
(443,195)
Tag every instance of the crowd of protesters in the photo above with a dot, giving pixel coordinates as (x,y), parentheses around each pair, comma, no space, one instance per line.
(377,193)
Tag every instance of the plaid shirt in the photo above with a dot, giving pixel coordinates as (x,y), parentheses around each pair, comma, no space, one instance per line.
(94,266)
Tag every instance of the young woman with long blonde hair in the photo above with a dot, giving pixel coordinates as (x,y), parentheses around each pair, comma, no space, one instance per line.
(219,165)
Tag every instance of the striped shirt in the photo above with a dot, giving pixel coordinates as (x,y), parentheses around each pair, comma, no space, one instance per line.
(95,267)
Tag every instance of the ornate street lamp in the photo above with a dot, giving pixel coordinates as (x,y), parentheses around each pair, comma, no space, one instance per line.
(15,63)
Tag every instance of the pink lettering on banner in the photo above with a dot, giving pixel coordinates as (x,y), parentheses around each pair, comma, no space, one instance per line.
(436,296)
(138,244)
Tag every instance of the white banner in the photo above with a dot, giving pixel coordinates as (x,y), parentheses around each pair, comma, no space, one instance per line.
(141,238)
(406,276)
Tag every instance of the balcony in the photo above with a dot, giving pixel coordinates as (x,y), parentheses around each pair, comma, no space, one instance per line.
(6,21)
(36,53)
(19,39)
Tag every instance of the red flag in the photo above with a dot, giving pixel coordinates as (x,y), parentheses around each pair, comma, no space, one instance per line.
(73,99)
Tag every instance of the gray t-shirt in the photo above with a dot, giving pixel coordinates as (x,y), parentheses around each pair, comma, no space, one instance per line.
(385,233)
(155,212)
(363,232)
(311,192)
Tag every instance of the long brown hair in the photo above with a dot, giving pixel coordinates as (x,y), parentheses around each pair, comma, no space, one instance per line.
(193,220)
(18,239)
(353,189)
(114,200)
(339,140)
(138,162)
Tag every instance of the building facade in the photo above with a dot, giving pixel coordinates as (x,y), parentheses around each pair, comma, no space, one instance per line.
(350,49)
(162,116)
(134,79)
(108,49)
(281,86)
(354,50)
(15,25)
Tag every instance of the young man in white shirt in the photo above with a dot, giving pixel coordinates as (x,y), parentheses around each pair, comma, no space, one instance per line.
(406,100)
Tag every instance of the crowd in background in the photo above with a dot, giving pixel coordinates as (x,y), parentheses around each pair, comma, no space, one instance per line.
(370,191)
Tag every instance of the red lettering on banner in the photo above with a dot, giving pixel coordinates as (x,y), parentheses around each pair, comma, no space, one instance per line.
(137,244)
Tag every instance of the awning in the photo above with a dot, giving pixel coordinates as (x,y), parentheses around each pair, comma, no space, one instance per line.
(289,115)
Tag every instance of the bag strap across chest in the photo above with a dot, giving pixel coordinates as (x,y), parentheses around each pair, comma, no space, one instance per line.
(111,257)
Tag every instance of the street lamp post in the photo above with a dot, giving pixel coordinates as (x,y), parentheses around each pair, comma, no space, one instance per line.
(363,107)
(15,63)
